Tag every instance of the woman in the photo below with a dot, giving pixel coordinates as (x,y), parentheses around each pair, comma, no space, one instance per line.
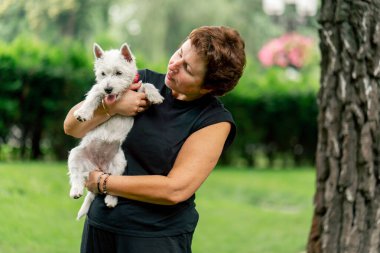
(170,151)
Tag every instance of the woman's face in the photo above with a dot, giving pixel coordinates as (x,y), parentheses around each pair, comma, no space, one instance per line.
(186,71)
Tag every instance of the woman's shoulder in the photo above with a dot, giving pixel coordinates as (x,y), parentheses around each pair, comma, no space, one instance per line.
(215,112)
(216,104)
(150,76)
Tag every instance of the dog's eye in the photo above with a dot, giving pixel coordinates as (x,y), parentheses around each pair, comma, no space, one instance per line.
(103,74)
(118,73)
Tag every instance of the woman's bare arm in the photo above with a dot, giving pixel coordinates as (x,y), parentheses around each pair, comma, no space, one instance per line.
(78,129)
(195,161)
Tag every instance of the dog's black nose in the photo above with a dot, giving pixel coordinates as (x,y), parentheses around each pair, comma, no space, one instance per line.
(108,90)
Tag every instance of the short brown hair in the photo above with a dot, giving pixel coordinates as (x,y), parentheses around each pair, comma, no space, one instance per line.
(223,50)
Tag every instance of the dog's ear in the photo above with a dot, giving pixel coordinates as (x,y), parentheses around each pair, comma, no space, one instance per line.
(98,51)
(126,52)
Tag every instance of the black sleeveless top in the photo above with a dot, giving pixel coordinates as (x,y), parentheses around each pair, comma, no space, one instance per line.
(151,149)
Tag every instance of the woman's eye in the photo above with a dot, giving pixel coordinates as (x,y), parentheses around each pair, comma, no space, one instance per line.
(186,67)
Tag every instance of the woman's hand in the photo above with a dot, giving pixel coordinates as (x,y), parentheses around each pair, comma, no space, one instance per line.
(130,103)
(92,181)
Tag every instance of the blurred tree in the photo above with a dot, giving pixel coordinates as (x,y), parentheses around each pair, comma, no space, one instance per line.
(168,22)
(347,203)
(9,88)
(39,83)
(153,28)
(52,19)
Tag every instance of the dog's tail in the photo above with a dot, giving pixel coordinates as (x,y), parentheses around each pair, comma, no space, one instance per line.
(86,205)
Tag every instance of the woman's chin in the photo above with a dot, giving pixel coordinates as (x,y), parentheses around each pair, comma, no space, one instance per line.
(168,82)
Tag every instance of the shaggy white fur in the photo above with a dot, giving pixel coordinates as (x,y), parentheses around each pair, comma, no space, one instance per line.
(100,148)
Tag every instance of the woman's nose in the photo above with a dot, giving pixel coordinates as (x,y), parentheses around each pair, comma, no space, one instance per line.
(174,65)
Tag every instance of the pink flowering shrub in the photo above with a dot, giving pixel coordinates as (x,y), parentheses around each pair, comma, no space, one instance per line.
(290,49)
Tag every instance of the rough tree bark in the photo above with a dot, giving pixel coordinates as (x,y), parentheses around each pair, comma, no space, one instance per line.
(347,200)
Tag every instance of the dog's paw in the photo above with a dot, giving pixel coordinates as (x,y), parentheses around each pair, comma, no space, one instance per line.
(152,94)
(83,115)
(154,97)
(76,192)
(111,201)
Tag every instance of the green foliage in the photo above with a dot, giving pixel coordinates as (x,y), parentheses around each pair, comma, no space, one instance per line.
(258,81)
(39,82)
(277,125)
(8,90)
(275,111)
(156,28)
(44,71)
(261,211)
(52,19)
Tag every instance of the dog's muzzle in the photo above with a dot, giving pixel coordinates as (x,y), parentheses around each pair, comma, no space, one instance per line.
(108,90)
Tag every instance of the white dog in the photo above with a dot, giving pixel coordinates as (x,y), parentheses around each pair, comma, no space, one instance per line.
(101,147)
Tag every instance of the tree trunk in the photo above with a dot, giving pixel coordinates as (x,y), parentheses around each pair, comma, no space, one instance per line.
(347,200)
(36,152)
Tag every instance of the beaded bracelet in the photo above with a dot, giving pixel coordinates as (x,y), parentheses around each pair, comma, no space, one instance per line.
(98,182)
(105,183)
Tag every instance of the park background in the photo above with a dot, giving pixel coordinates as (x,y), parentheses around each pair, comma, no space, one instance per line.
(258,200)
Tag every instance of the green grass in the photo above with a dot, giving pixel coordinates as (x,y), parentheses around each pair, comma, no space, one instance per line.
(261,211)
